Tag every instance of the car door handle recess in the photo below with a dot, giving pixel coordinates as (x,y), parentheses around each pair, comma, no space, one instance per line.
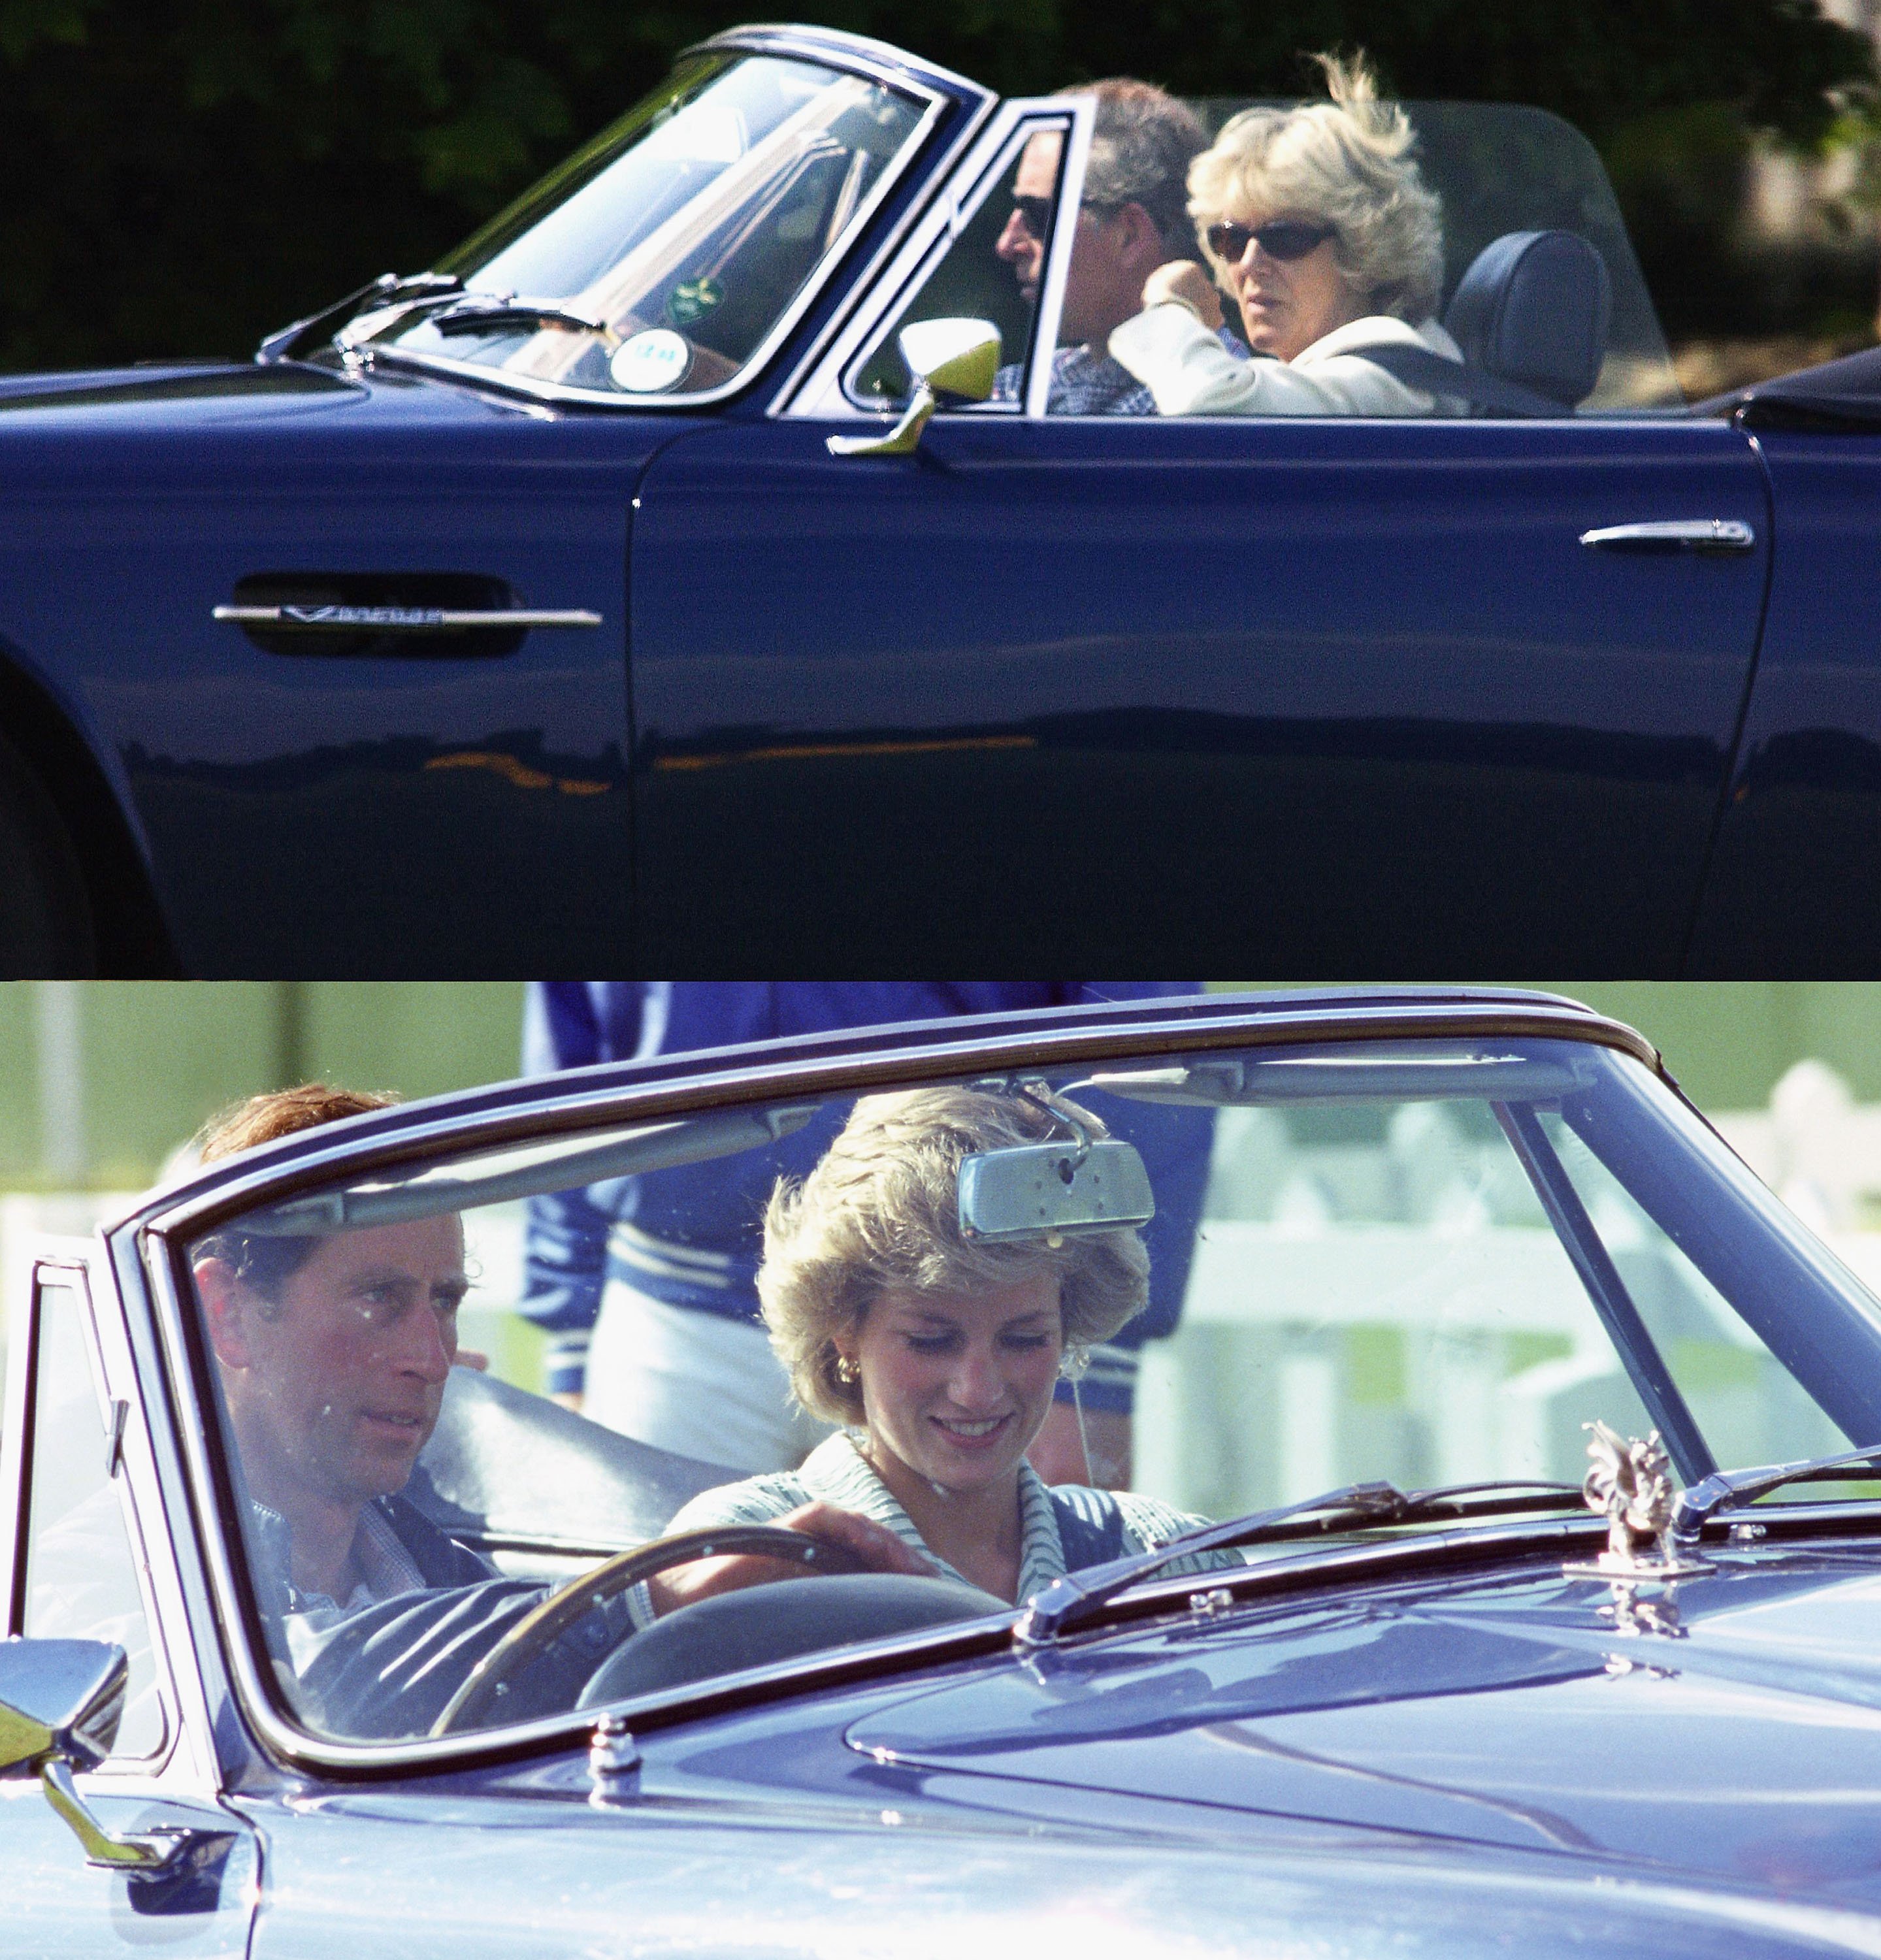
(1705,535)
(395,619)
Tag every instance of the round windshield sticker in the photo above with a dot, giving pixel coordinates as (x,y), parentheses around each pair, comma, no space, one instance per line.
(650,362)
(693,299)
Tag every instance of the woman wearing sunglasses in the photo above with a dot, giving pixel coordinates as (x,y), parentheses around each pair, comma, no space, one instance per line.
(1315,221)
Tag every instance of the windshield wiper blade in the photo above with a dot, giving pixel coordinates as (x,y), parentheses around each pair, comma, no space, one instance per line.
(290,341)
(1078,1597)
(473,315)
(1726,1489)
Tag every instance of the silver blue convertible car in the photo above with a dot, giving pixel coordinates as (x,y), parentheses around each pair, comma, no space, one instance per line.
(1501,1575)
(747,538)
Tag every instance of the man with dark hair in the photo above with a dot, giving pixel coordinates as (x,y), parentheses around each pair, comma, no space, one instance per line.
(1133,217)
(334,1352)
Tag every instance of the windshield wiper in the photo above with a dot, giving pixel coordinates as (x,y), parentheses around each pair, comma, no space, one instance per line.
(1725,1490)
(318,328)
(1080,1596)
(473,315)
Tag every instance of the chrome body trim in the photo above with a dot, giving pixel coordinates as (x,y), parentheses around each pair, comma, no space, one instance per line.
(875,60)
(393,618)
(162,1226)
(1057,263)
(1707,536)
(823,395)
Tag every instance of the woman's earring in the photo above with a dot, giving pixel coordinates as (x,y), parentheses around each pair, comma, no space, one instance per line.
(848,1373)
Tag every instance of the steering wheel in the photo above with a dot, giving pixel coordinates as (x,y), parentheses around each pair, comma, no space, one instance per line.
(472,1706)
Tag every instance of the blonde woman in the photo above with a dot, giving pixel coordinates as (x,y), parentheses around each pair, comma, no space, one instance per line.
(937,1355)
(1315,221)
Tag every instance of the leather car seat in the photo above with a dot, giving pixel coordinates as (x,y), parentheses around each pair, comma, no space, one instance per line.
(1534,310)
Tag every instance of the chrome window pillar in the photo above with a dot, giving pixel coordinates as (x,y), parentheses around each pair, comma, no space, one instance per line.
(820,395)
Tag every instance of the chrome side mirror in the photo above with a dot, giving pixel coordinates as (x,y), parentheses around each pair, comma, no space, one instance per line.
(956,357)
(60,1704)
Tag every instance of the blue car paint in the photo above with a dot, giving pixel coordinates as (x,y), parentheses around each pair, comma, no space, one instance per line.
(377,817)
(1483,1751)
(1303,690)
(1788,889)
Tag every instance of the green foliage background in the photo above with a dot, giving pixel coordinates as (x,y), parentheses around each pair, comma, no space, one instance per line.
(182,175)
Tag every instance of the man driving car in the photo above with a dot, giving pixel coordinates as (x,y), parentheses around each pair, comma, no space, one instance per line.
(1133,217)
(332,1351)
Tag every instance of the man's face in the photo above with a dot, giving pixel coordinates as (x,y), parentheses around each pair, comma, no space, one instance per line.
(335,1382)
(1112,253)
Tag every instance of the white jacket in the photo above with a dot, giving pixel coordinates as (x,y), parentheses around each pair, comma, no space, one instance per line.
(1190,372)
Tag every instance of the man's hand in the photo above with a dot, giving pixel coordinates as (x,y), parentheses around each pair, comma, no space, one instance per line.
(876,1545)
(1100,1455)
(1184,282)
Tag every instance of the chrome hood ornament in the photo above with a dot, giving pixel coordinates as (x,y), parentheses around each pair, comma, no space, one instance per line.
(1629,1483)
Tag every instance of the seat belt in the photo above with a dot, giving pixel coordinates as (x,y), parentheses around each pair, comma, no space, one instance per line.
(1432,374)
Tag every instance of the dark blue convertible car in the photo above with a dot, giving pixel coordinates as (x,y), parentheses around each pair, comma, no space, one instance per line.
(517,616)
(1409,1696)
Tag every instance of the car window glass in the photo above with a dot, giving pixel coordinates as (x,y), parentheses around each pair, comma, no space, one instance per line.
(989,268)
(81,1579)
(1497,173)
(697,220)
(1352,1276)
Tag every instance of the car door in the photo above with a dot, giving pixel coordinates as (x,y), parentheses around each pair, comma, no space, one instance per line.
(83,1521)
(1336,695)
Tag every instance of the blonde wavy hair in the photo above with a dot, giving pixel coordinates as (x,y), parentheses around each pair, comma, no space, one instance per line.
(881,1212)
(1347,162)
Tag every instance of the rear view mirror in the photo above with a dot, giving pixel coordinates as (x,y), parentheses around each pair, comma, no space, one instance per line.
(1053,1191)
(959,358)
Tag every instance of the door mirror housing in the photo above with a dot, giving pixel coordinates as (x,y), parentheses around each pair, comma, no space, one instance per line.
(61,1697)
(60,1704)
(956,359)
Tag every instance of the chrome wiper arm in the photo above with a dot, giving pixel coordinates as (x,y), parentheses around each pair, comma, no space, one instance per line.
(1079,1597)
(290,341)
(1725,1490)
(473,315)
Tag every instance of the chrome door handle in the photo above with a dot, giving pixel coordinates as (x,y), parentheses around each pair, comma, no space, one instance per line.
(394,618)
(1705,535)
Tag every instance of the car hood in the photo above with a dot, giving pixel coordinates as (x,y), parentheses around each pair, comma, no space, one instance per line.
(1742,1740)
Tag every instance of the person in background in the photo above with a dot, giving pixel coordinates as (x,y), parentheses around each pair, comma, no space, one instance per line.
(1132,218)
(647,1287)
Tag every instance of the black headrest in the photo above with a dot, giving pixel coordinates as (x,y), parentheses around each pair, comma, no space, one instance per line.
(1534,308)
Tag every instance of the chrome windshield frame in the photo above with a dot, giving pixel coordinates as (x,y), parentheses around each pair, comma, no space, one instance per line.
(156,1237)
(935,88)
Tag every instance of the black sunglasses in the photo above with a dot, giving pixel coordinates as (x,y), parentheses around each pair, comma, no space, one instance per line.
(1284,238)
(1034,214)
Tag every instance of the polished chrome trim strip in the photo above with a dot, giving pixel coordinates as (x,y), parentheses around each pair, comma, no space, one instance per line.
(392,618)
(812,290)
(1070,197)
(823,395)
(1708,537)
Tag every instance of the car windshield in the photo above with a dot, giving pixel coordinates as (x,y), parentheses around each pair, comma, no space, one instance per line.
(685,233)
(1431,1262)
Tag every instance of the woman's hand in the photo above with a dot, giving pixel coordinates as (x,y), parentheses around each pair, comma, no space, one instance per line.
(876,1545)
(1185,283)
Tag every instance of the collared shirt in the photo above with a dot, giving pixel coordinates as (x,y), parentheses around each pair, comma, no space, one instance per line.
(386,1568)
(1085,382)
(836,1472)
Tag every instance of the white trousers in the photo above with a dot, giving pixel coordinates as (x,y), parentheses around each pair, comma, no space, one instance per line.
(698,1384)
